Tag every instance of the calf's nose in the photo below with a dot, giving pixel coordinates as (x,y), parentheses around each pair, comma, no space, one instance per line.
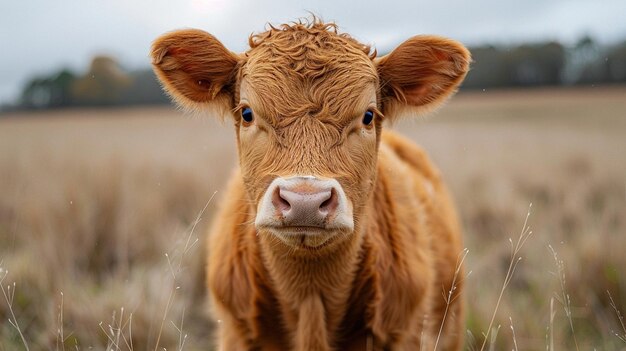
(304,201)
(305,206)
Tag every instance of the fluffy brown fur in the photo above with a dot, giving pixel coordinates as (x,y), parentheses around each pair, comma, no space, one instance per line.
(379,287)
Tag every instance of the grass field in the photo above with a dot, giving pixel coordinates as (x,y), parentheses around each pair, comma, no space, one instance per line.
(97,209)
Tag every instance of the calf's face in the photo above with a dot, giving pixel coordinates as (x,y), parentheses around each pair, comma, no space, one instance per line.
(308,106)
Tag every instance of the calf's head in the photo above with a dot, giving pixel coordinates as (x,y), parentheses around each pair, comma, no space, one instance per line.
(308,105)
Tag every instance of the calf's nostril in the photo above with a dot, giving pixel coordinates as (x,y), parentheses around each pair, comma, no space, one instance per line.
(330,203)
(279,201)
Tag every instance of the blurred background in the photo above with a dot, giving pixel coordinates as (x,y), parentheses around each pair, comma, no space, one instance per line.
(76,53)
(107,190)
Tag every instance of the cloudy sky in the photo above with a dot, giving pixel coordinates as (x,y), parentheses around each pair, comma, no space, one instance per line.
(40,36)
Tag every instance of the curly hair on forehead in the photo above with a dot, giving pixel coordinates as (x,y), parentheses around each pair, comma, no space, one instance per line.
(307,30)
(307,68)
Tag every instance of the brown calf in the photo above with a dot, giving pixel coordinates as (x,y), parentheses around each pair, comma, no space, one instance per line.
(333,235)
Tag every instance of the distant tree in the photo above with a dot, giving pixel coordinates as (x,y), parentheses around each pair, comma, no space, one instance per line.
(52,91)
(36,94)
(616,63)
(61,90)
(583,64)
(144,89)
(538,64)
(609,67)
(104,84)
(488,69)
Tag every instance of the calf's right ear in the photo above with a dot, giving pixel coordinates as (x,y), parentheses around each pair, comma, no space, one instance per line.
(195,69)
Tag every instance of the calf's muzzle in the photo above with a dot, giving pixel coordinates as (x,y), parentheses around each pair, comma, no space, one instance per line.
(303,202)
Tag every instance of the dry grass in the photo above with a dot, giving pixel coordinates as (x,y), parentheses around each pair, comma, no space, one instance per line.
(92,200)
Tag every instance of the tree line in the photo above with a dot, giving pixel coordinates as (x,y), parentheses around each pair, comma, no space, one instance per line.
(106,83)
(547,64)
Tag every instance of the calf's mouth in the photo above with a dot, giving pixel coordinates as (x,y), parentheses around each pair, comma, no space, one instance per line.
(304,211)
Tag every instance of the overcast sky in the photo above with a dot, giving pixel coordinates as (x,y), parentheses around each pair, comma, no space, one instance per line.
(41,36)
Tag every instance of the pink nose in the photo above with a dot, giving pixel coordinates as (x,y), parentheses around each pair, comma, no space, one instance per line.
(305,205)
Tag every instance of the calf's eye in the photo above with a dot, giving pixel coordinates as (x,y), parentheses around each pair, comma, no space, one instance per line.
(247,115)
(368,117)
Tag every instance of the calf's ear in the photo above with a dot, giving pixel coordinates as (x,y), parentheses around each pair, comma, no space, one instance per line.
(195,69)
(421,74)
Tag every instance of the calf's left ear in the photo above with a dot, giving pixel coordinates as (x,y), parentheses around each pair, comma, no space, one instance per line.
(195,69)
(420,74)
